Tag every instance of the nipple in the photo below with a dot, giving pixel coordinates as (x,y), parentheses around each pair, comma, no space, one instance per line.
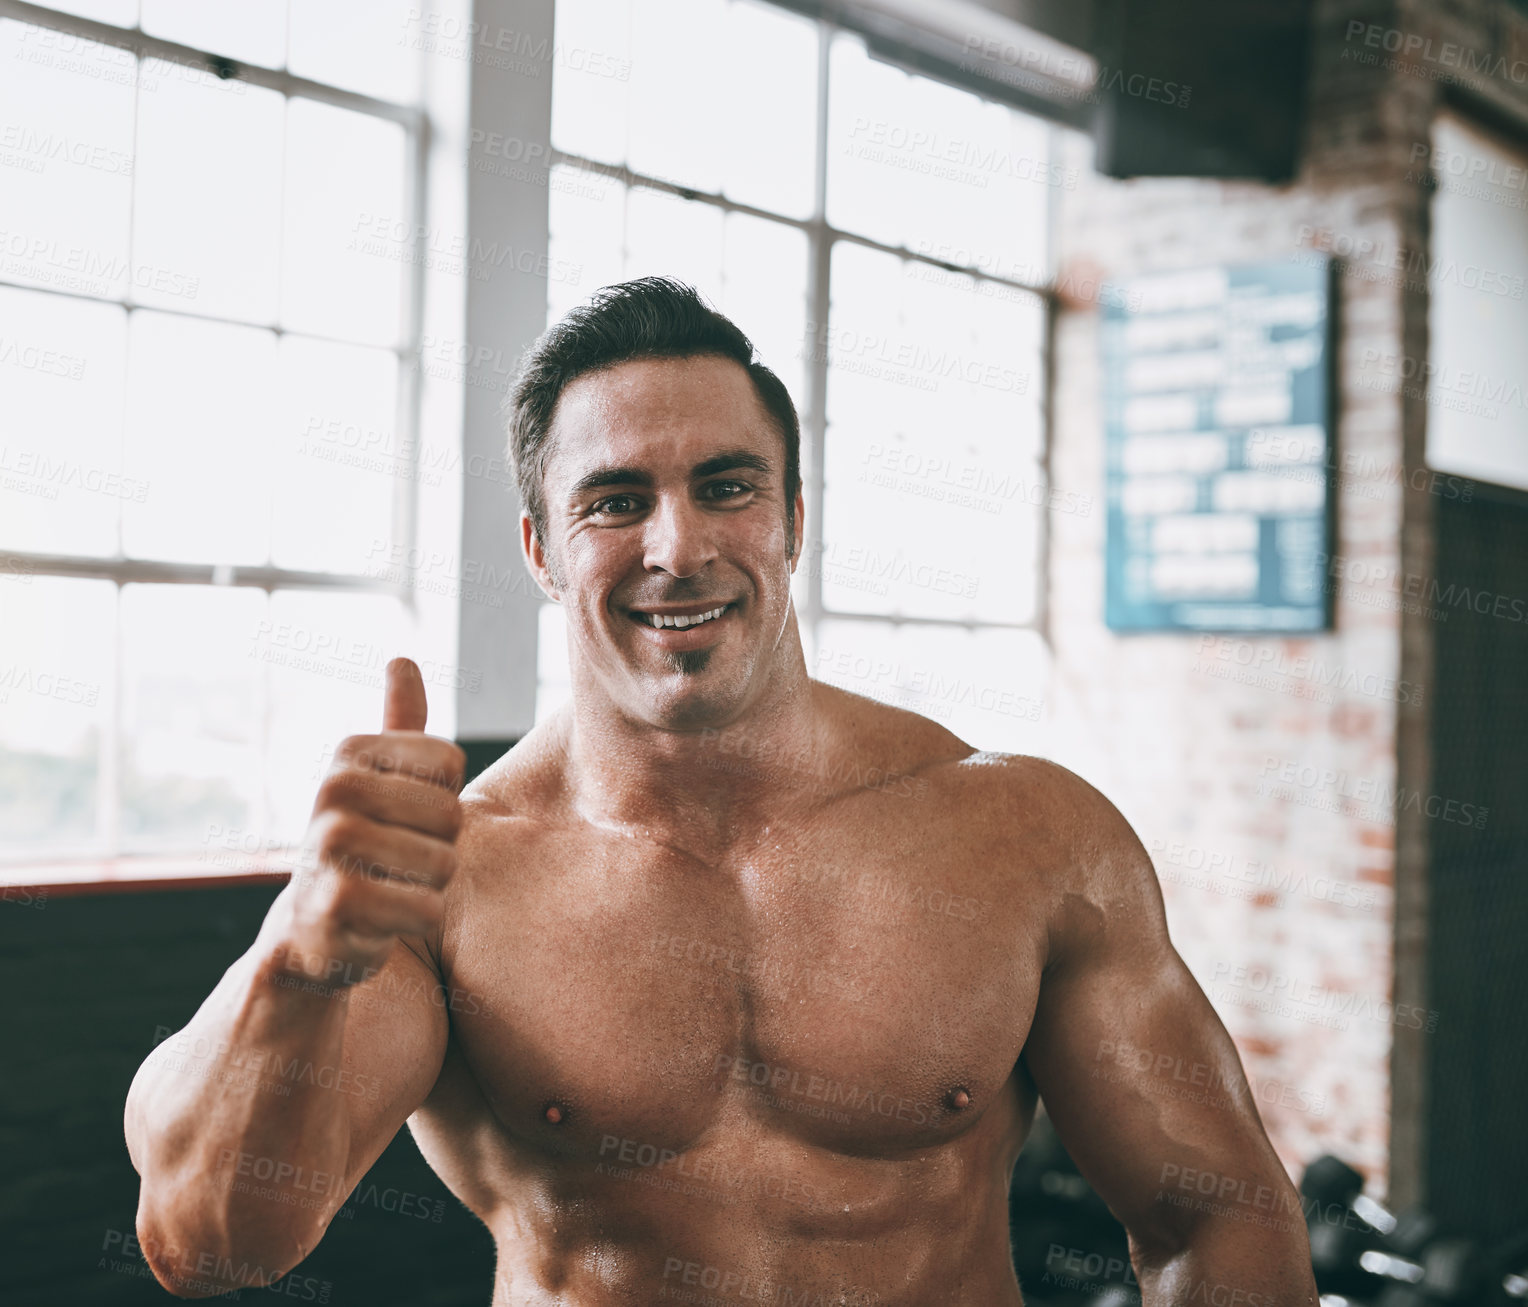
(553,1113)
(958,1099)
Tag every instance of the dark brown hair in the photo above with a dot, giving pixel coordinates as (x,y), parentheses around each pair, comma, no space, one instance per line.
(651,317)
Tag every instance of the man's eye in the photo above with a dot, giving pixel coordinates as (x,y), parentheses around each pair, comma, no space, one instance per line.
(614,505)
(738,488)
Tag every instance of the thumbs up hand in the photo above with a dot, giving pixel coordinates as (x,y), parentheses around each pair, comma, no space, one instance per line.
(381,847)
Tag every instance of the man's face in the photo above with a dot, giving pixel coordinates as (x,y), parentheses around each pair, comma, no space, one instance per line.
(665,495)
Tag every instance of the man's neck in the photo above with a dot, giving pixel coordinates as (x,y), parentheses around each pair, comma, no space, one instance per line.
(706,786)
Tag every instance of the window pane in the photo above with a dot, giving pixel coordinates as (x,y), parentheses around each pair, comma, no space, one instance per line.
(57,639)
(764,292)
(769,109)
(347,237)
(587,218)
(121,13)
(676,238)
(362,45)
(206,215)
(190,714)
(988,687)
(199,435)
(679,73)
(61,371)
(554,678)
(340,456)
(630,74)
(1478,339)
(252,31)
(324,653)
(66,106)
(915,163)
(933,487)
(591,80)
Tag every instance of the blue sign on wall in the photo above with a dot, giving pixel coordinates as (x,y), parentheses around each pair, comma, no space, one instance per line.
(1218,449)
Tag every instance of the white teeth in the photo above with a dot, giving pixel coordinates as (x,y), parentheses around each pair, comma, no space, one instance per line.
(657,619)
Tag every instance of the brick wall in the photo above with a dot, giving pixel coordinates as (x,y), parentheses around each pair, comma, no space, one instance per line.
(1266,863)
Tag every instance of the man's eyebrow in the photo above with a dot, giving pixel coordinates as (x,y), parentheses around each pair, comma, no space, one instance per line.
(726,461)
(609,476)
(730,459)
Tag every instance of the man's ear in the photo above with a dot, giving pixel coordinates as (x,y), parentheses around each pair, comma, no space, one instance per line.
(536,559)
(798,525)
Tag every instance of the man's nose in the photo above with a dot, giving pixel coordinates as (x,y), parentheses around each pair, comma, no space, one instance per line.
(678,538)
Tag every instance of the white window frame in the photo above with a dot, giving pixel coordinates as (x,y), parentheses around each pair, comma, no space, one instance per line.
(122,569)
(821,237)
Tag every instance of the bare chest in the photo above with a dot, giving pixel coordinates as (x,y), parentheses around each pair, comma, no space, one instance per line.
(864,996)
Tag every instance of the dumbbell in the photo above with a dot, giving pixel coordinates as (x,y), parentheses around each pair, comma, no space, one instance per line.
(1447,1270)
(1352,1235)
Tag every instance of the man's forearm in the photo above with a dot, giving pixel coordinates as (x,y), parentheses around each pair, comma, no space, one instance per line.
(239,1126)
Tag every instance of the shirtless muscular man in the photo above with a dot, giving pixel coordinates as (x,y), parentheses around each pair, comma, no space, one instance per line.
(723,984)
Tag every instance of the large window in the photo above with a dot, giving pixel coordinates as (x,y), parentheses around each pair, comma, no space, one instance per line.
(883,239)
(209,355)
(1477,414)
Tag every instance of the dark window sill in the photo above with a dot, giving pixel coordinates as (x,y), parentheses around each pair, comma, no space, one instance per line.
(43,880)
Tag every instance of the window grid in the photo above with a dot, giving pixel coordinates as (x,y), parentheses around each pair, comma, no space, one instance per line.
(822,238)
(122,569)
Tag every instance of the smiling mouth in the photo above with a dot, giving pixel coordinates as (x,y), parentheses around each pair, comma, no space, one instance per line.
(678,621)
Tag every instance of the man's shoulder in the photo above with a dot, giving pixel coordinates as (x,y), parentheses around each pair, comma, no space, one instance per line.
(522,784)
(1051,818)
